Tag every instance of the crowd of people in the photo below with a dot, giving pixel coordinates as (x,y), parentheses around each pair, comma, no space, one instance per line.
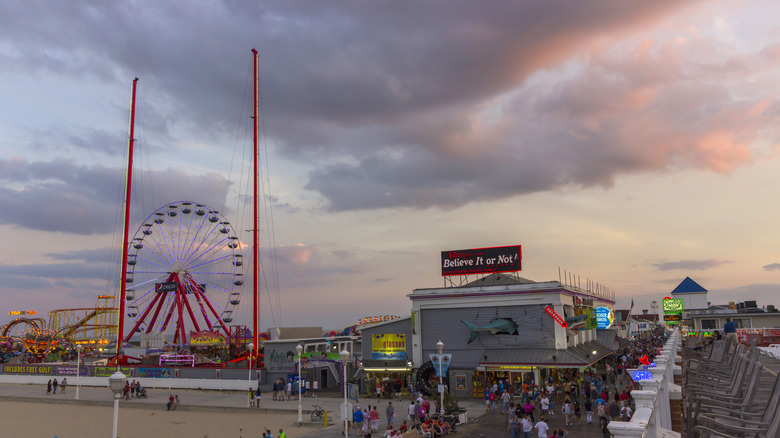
(602,391)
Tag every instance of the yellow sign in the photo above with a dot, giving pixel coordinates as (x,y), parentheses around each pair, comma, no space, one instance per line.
(91,342)
(105,297)
(388,343)
(511,367)
(388,346)
(22,312)
(206,337)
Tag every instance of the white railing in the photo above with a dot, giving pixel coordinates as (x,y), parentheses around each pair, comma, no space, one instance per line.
(652,417)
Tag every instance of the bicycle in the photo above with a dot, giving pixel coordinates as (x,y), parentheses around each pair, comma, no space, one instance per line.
(318,414)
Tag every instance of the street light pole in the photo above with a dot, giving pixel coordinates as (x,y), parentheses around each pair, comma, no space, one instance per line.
(78,369)
(440,347)
(249,379)
(116,382)
(344,354)
(299,349)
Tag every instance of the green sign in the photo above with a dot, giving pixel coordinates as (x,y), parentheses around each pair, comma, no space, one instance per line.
(673,318)
(673,305)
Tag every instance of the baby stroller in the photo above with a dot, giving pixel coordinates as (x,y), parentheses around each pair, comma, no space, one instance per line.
(140,392)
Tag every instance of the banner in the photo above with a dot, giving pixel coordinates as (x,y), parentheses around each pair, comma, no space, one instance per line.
(109,371)
(445,363)
(604,318)
(157,373)
(352,392)
(28,369)
(206,338)
(481,260)
(388,346)
(70,370)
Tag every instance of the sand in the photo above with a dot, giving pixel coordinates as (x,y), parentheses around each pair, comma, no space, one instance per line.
(44,420)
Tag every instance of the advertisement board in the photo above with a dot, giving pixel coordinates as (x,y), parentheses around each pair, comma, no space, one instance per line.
(28,369)
(672,305)
(388,346)
(481,260)
(71,370)
(109,371)
(158,373)
(673,318)
(604,318)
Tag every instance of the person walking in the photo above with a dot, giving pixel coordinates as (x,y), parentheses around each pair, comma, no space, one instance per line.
(588,411)
(730,329)
(48,388)
(390,412)
(54,385)
(542,428)
(63,385)
(514,426)
(566,410)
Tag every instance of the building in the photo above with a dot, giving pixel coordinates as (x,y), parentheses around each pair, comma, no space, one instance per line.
(503,326)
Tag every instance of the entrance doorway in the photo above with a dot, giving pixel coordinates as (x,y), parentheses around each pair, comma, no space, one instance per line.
(324,378)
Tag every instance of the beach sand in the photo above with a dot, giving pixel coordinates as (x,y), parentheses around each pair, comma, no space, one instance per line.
(45,420)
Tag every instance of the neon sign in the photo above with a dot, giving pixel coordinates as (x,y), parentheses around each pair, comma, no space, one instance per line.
(640,375)
(22,312)
(556,317)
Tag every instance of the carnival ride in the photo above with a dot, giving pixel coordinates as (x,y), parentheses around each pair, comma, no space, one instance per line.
(184,272)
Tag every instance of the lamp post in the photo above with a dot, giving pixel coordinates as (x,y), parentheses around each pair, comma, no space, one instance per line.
(78,369)
(116,382)
(344,355)
(299,349)
(249,378)
(440,348)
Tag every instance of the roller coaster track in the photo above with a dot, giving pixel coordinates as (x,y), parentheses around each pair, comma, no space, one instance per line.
(68,331)
(36,323)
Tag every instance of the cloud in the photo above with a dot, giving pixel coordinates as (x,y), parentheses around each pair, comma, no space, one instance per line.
(690,265)
(62,196)
(772,267)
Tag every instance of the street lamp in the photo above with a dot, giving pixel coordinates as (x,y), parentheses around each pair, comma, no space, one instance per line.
(440,348)
(117,383)
(249,379)
(78,369)
(344,355)
(299,349)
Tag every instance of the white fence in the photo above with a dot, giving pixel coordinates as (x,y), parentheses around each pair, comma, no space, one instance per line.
(653,417)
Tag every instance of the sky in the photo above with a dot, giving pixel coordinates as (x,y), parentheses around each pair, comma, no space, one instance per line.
(630,143)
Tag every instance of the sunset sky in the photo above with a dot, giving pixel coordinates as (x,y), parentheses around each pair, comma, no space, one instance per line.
(631,143)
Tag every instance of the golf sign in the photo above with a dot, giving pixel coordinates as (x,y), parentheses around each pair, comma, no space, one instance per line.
(672,305)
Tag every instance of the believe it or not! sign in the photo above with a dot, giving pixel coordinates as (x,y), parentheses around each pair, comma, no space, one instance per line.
(481,260)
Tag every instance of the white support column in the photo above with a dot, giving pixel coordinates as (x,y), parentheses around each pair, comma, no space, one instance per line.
(662,398)
(642,423)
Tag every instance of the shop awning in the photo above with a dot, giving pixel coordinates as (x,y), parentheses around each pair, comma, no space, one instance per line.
(579,356)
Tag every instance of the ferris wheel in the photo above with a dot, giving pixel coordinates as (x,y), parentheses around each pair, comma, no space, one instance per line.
(184,272)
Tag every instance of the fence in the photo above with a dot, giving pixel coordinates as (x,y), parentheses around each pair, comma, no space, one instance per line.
(654,406)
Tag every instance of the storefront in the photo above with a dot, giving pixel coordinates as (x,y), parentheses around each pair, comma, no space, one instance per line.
(502,327)
(386,357)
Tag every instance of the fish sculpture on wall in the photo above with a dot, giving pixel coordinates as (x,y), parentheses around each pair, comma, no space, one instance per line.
(498,326)
(575,323)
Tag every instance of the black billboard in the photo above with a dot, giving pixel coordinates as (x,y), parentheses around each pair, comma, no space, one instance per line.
(481,260)
(170,286)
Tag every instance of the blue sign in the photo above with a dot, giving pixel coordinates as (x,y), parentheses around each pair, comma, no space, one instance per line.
(604,318)
(639,375)
(445,363)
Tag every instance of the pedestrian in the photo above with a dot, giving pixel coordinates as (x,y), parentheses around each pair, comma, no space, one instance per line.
(545,404)
(529,409)
(412,413)
(170,401)
(542,428)
(566,410)
(132,389)
(588,411)
(54,385)
(251,397)
(373,418)
(48,388)
(63,385)
(281,434)
(357,421)
(614,410)
(258,394)
(390,412)
(492,399)
(730,330)
(378,389)
(505,402)
(308,387)
(314,386)
(514,426)
(528,426)
(289,389)
(175,402)
(577,411)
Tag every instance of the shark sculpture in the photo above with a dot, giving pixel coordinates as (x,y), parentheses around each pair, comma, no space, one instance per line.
(498,326)
(575,322)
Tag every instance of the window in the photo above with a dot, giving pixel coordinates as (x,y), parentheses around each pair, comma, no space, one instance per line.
(709,324)
(741,323)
